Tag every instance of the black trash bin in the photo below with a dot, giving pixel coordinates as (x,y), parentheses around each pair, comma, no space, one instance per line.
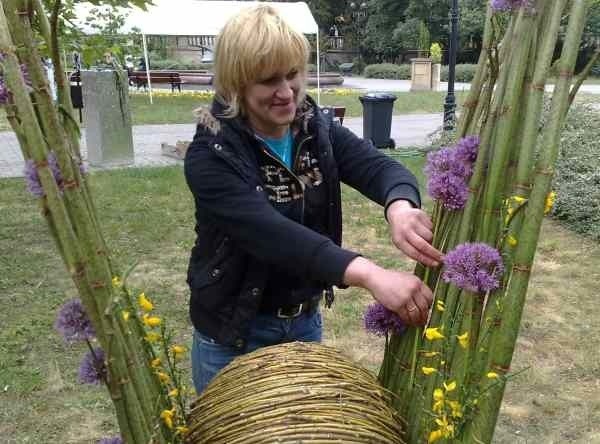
(377,118)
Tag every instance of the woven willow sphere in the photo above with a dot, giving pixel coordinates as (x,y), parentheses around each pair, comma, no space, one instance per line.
(293,393)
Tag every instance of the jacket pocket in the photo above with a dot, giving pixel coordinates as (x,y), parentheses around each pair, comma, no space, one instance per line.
(217,282)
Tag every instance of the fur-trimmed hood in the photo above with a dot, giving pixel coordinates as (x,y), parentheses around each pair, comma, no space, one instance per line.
(212,119)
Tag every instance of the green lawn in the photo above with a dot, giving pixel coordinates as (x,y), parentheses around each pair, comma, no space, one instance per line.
(179,109)
(147,216)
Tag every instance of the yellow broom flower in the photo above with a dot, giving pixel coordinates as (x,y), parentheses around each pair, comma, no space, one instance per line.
(463,340)
(440,306)
(125,315)
(451,386)
(145,303)
(151,321)
(152,336)
(550,198)
(456,409)
(155,363)
(167,417)
(446,428)
(492,375)
(433,333)
(181,430)
(178,351)
(428,370)
(434,436)
(116,282)
(173,393)
(438,400)
(163,377)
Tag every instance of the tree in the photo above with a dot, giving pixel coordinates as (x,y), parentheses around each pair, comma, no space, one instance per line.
(384,16)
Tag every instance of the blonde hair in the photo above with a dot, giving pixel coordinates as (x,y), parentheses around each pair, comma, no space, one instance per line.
(253,45)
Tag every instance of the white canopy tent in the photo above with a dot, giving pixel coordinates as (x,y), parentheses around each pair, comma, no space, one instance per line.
(200,18)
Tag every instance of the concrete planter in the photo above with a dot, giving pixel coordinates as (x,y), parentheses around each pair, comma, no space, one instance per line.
(107,118)
(436,70)
(420,74)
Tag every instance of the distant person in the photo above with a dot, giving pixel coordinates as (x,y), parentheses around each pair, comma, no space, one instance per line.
(265,170)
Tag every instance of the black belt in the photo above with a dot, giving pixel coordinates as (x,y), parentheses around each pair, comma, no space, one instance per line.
(293,311)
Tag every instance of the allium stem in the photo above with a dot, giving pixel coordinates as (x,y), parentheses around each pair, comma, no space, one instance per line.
(504,337)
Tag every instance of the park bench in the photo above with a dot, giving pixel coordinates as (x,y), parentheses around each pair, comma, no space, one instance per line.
(139,79)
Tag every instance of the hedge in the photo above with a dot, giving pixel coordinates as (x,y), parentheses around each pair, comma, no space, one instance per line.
(179,64)
(464,73)
(577,182)
(388,71)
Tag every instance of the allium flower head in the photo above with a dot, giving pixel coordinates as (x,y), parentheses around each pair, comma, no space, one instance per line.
(3,92)
(32,178)
(451,190)
(507,5)
(113,440)
(448,171)
(446,161)
(475,267)
(467,149)
(93,369)
(381,321)
(73,322)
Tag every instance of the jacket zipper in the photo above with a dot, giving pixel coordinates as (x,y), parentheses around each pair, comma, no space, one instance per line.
(294,164)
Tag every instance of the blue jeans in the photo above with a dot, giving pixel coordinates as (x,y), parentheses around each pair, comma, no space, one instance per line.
(209,357)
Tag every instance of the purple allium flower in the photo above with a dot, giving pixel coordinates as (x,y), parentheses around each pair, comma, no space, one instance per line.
(73,322)
(446,161)
(448,172)
(93,369)
(381,321)
(475,267)
(4,95)
(53,163)
(467,149)
(451,190)
(32,179)
(507,5)
(112,440)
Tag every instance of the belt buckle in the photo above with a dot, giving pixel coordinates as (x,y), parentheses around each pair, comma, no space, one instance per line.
(280,315)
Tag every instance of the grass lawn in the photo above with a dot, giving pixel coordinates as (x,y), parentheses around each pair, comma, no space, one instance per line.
(179,109)
(147,217)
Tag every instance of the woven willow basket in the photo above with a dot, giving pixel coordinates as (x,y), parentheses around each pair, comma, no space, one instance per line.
(294,393)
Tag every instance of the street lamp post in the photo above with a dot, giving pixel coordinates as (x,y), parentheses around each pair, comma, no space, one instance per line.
(450,105)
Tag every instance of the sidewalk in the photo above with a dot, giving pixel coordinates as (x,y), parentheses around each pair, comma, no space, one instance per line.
(407,130)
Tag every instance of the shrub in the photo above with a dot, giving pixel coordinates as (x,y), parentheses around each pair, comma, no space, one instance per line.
(388,71)
(464,73)
(435,52)
(577,182)
(179,64)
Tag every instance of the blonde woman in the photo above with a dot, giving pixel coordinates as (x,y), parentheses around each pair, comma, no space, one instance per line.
(265,168)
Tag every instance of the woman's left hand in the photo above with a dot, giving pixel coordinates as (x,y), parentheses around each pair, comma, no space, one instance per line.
(412,233)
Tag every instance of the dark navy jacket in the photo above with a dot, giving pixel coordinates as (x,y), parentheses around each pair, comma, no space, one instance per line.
(247,235)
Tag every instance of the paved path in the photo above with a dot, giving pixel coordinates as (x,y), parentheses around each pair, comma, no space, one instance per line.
(407,130)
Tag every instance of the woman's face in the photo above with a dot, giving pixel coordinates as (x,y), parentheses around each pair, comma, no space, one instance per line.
(271,102)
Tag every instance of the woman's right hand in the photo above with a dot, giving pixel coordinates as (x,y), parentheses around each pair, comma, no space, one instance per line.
(401,292)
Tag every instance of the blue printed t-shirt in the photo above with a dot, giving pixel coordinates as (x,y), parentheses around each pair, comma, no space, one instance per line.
(282,147)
